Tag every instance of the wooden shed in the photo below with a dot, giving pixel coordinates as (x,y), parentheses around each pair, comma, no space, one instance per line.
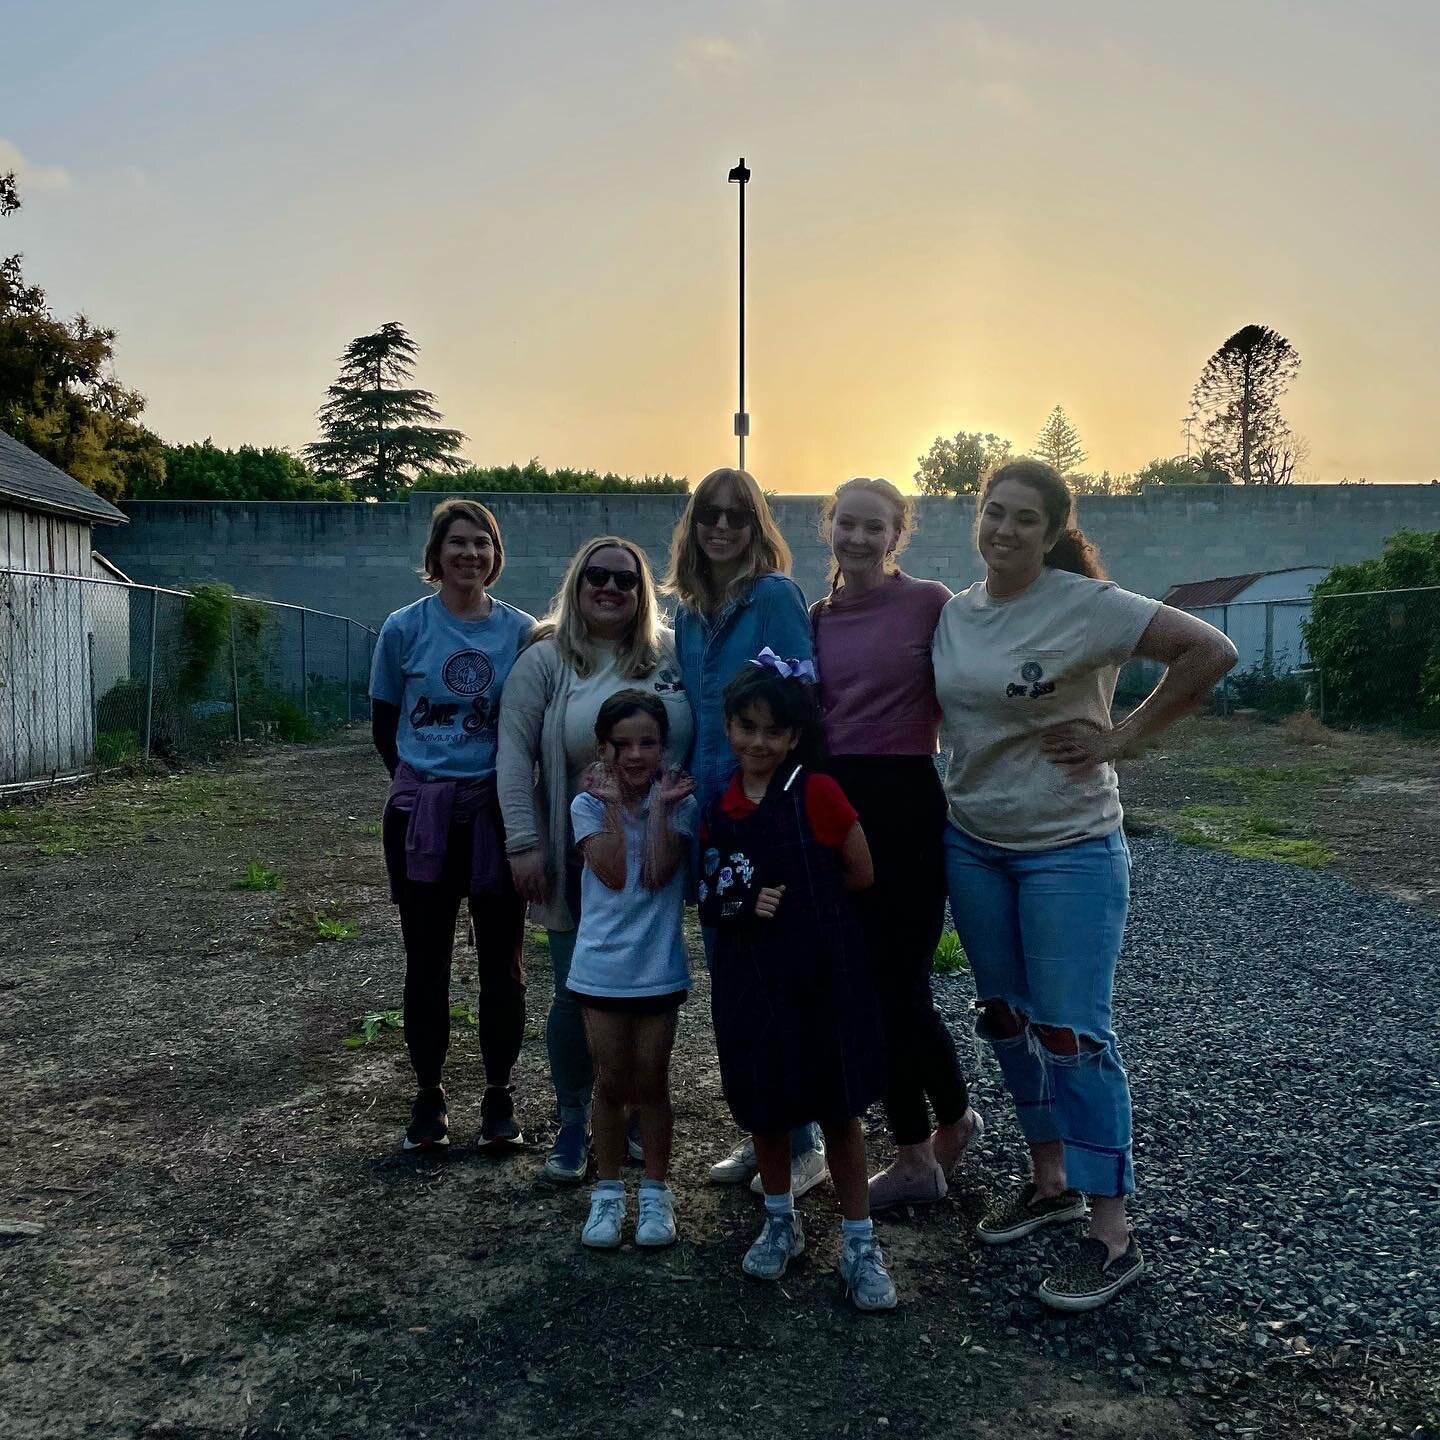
(59,605)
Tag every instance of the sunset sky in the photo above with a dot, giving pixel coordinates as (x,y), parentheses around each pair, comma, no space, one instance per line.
(961,215)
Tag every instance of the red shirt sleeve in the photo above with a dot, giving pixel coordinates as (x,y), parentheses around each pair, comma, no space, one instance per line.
(830,814)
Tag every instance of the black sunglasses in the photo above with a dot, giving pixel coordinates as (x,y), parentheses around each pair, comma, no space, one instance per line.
(737,517)
(597,575)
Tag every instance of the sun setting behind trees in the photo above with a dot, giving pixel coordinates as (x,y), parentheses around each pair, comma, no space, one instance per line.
(958,220)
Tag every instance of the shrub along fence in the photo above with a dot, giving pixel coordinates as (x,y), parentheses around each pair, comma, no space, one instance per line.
(94,672)
(1369,657)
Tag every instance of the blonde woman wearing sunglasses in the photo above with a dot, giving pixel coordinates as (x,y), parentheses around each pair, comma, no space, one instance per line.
(604,633)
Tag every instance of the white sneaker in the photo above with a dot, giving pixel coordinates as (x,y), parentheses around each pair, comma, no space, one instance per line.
(806,1172)
(607,1213)
(656,1225)
(737,1167)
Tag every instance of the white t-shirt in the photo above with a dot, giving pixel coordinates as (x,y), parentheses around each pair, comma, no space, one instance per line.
(1006,670)
(629,941)
(584,697)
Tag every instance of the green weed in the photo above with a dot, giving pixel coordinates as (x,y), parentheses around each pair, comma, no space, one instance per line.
(61,838)
(950,957)
(114,748)
(258,877)
(1244,831)
(374,828)
(371,1023)
(327,928)
(464,1015)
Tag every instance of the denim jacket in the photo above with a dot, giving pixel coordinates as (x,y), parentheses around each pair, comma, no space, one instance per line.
(711,651)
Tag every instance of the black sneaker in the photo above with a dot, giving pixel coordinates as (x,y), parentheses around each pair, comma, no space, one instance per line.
(1091,1277)
(429,1127)
(498,1129)
(1023,1214)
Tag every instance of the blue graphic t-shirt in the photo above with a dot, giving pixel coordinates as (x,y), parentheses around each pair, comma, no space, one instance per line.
(446,675)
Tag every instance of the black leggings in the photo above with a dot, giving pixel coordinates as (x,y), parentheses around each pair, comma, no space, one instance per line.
(901,804)
(427,921)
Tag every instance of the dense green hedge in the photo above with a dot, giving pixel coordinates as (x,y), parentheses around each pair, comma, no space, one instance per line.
(1379,653)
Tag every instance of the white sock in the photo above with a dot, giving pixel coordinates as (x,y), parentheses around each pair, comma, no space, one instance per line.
(856,1230)
(780,1204)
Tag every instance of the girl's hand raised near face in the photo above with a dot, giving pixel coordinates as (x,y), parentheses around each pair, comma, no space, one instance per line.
(673,786)
(603,783)
(767,902)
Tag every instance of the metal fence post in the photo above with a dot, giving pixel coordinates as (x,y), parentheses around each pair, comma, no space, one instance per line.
(304,668)
(150,671)
(234,676)
(94,698)
(349,709)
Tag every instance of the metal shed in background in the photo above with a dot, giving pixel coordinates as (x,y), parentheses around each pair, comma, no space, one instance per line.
(1261,613)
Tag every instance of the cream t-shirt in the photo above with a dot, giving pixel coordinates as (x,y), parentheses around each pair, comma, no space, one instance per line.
(1006,670)
(584,697)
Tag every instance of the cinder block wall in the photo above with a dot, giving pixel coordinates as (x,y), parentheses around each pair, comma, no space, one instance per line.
(360,560)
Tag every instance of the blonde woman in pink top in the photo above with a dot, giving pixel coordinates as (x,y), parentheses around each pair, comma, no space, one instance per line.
(873,637)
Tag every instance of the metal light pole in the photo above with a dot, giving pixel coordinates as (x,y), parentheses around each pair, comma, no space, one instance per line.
(739,175)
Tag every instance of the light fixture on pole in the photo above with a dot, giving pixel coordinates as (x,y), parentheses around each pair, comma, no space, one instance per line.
(739,175)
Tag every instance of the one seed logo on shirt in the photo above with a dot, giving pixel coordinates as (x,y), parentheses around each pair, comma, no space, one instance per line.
(468,672)
(1031,672)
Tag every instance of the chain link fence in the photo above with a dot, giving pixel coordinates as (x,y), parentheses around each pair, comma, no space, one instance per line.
(1375,656)
(94,673)
(1367,658)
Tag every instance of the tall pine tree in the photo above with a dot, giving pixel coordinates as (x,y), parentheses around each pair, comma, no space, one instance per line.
(373,427)
(1238,393)
(1058,443)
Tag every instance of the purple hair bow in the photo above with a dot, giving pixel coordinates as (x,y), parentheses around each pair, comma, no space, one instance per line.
(767,659)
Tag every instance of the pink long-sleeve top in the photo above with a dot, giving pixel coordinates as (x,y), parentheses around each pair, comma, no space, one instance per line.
(877,683)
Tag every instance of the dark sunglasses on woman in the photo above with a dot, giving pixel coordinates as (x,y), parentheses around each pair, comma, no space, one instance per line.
(597,575)
(736,517)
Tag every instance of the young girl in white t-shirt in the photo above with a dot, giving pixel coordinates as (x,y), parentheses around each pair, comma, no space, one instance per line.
(633,824)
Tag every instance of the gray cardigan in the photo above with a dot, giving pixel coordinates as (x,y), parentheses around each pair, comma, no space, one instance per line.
(531,771)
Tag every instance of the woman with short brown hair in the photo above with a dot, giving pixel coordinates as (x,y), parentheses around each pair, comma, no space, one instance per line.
(440,666)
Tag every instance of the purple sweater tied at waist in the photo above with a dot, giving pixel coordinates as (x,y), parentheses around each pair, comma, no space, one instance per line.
(435,806)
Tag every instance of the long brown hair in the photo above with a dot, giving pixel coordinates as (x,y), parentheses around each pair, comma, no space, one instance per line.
(638,653)
(689,576)
(1072,550)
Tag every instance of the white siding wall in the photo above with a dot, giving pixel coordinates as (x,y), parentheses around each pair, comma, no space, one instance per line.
(46,689)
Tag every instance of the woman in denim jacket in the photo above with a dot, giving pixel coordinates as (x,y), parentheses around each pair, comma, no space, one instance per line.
(728,564)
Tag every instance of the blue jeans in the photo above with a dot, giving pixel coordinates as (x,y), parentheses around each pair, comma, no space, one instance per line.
(803,1138)
(1042,930)
(571,1072)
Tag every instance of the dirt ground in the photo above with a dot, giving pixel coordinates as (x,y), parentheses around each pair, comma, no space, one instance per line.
(232,1245)
(1369,798)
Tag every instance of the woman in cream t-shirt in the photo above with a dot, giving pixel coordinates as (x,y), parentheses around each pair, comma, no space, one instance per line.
(1038,869)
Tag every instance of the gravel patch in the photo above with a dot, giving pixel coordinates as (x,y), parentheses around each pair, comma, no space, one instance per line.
(1279,1030)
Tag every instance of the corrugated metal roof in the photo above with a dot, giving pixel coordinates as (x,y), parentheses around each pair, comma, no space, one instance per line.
(1195,594)
(35,484)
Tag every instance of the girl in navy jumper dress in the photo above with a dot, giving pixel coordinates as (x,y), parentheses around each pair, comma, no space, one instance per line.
(795,1016)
